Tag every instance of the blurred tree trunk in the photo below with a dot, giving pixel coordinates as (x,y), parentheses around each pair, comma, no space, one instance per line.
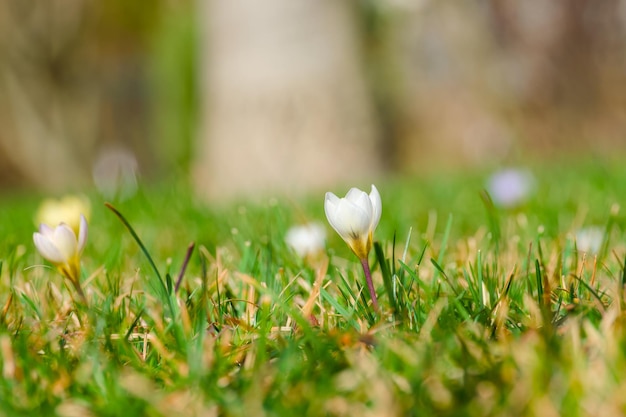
(48,119)
(285,105)
(571,74)
(73,85)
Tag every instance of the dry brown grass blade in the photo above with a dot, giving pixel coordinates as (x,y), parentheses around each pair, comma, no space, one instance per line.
(307,309)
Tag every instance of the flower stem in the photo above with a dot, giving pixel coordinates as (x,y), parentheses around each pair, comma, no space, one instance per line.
(71,271)
(79,291)
(370,283)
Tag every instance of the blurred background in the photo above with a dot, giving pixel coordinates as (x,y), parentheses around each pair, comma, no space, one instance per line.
(244,96)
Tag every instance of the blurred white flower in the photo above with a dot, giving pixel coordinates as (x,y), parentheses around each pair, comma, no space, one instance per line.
(62,248)
(115,173)
(510,187)
(68,210)
(307,239)
(589,239)
(355,218)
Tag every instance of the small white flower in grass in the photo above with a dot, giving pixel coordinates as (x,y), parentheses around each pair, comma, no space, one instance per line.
(307,239)
(355,218)
(510,187)
(589,239)
(62,248)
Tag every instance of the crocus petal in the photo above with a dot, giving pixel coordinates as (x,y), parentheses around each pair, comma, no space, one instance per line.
(377,207)
(330,202)
(65,241)
(354,194)
(358,201)
(46,230)
(82,234)
(364,203)
(47,248)
(351,221)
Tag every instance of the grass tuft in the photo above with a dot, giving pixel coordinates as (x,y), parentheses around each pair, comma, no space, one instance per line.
(501,315)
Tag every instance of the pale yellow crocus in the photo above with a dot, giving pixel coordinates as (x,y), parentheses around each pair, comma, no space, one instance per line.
(61,247)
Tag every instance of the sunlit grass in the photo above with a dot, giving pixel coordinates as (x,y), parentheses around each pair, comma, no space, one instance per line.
(194,310)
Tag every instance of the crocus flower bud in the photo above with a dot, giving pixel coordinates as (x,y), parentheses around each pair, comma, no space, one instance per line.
(62,248)
(355,218)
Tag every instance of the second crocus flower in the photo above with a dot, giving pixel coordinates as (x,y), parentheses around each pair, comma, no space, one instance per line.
(61,247)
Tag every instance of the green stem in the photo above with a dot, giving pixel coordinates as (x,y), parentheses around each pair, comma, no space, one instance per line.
(71,271)
(370,283)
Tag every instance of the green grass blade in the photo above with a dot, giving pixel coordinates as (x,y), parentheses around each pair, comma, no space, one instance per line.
(141,245)
(445,276)
(539,277)
(492,217)
(624,273)
(387,278)
(347,316)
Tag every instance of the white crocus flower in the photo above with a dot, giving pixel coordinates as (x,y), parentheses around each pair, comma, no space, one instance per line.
(62,248)
(355,218)
(307,239)
(590,239)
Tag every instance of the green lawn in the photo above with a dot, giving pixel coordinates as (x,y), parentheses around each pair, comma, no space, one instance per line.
(485,311)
